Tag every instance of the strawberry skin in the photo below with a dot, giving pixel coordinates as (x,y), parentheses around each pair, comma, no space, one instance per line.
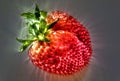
(68,23)
(63,55)
(59,43)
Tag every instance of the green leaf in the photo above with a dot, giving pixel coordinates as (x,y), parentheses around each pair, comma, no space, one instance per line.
(23,47)
(52,24)
(25,43)
(37,12)
(28,15)
(37,25)
(33,29)
(37,8)
(43,14)
(30,37)
(42,25)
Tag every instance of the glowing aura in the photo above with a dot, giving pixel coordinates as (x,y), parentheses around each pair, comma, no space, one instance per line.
(59,43)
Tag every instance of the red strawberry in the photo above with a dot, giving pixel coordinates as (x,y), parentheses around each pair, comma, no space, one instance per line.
(68,23)
(59,43)
(63,55)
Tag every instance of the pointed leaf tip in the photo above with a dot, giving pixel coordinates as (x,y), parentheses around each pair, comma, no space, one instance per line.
(43,14)
(36,8)
(25,43)
(28,15)
(37,12)
(52,24)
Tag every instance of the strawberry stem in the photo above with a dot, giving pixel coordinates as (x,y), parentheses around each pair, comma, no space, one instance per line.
(37,27)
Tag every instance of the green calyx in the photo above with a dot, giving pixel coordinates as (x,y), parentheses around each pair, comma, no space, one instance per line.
(37,28)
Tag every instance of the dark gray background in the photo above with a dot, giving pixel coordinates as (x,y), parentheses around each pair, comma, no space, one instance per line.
(101,18)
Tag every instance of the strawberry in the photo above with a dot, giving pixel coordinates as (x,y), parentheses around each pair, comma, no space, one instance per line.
(68,23)
(58,43)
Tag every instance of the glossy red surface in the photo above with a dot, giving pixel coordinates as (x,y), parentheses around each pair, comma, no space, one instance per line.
(69,50)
